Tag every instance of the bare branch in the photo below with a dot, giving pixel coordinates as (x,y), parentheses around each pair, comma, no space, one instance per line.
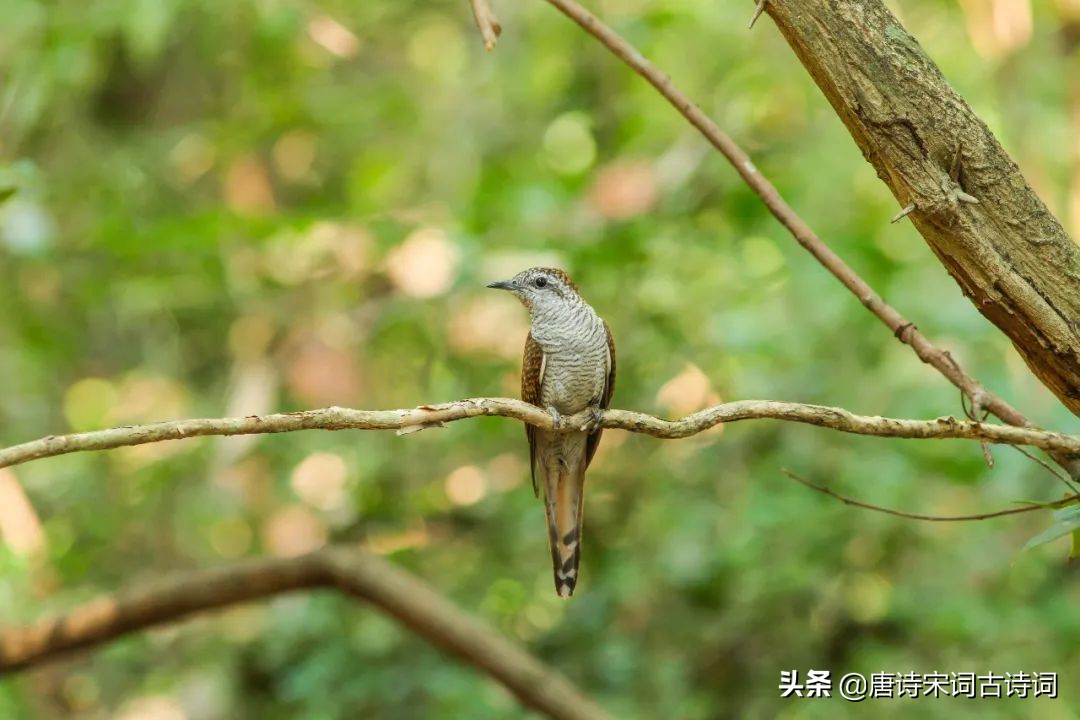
(904,330)
(350,570)
(489,26)
(424,416)
(929,518)
(1049,468)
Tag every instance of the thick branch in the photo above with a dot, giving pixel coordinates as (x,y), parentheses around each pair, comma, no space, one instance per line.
(1009,255)
(352,571)
(425,416)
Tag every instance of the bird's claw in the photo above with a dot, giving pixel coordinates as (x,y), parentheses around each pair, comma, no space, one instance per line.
(596,417)
(556,418)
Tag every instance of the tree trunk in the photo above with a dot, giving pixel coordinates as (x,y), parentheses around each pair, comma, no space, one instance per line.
(1009,255)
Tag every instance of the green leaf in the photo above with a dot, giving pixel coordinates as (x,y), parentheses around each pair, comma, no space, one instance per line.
(1067,520)
(6,193)
(1068,513)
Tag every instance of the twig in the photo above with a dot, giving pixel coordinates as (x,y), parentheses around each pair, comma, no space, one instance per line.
(978,414)
(917,516)
(489,26)
(904,212)
(758,9)
(803,234)
(412,419)
(350,570)
(1049,468)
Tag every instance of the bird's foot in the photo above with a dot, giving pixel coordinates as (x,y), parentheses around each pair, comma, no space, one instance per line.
(596,418)
(556,418)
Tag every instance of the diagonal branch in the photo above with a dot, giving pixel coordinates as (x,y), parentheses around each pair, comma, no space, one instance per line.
(904,330)
(425,416)
(350,570)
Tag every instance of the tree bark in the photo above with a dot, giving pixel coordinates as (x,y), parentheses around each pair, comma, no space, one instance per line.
(1009,254)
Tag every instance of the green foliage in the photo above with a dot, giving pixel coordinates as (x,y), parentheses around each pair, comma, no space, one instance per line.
(1066,522)
(230,208)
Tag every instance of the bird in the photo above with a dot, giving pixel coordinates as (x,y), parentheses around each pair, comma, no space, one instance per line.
(568,367)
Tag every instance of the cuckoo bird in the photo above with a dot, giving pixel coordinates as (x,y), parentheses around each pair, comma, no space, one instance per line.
(568,367)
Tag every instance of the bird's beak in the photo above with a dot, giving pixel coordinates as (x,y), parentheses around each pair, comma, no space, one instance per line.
(502,285)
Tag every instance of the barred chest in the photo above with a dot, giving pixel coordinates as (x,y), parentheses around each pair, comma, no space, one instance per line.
(576,362)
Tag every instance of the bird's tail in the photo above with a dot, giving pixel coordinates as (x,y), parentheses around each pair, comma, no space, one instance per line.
(565,503)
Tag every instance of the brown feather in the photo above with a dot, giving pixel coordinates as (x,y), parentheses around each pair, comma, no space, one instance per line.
(531,374)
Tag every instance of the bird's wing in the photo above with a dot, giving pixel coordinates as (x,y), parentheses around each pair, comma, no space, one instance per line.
(532,377)
(605,401)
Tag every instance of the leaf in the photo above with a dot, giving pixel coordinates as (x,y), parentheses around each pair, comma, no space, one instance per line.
(1067,520)
(1068,513)
(16,177)
(1074,553)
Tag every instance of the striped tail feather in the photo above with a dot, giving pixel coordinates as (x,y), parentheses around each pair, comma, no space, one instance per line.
(565,503)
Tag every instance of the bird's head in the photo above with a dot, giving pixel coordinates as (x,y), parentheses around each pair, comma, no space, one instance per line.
(541,288)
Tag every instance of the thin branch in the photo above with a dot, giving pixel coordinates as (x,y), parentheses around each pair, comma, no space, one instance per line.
(425,416)
(350,570)
(803,234)
(1049,468)
(489,26)
(917,516)
(977,414)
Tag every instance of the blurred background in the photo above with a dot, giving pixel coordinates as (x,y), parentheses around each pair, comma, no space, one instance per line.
(231,208)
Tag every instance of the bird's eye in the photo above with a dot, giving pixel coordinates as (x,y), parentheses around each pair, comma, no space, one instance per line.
(540,282)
